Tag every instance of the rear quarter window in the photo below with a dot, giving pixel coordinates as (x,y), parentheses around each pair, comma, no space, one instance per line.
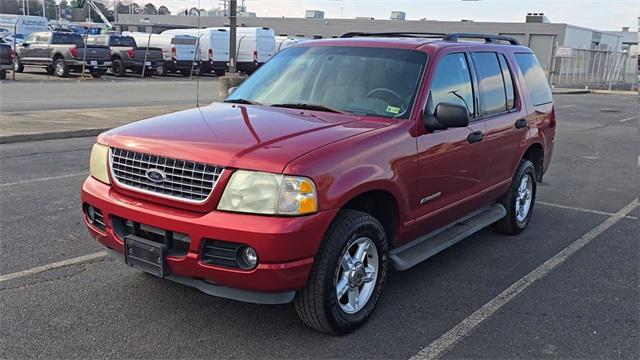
(70,39)
(534,79)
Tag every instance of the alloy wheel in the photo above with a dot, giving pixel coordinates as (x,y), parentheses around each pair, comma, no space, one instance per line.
(356,275)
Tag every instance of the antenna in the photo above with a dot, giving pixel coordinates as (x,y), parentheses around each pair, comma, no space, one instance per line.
(198,52)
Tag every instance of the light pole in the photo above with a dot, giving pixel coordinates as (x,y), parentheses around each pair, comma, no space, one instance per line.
(233,23)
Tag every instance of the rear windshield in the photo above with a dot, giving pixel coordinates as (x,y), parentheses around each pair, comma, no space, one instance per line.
(127,41)
(183,41)
(367,81)
(71,39)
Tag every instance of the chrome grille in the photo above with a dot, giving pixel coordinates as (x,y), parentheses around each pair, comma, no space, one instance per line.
(184,180)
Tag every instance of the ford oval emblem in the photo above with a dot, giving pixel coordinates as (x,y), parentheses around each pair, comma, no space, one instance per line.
(155,175)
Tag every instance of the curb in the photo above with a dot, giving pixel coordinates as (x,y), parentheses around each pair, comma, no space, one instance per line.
(8,139)
(570,91)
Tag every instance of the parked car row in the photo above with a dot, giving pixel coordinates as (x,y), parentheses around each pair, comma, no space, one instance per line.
(184,51)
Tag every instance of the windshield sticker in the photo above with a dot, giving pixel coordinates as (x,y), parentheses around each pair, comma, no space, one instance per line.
(393,110)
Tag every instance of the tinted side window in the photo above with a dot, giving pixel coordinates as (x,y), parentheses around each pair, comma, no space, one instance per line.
(534,78)
(452,83)
(491,83)
(508,82)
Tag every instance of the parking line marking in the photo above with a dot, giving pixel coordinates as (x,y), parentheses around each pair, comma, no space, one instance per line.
(39,269)
(29,181)
(565,106)
(590,211)
(461,330)
(628,119)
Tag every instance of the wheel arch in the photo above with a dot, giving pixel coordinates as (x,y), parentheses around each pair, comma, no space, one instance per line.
(379,202)
(535,154)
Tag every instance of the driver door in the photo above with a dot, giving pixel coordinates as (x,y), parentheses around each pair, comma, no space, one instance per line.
(450,161)
(27,53)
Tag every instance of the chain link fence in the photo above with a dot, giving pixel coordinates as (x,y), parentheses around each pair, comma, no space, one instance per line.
(596,69)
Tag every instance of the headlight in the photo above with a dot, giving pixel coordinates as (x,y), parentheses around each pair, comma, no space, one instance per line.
(98,164)
(266,193)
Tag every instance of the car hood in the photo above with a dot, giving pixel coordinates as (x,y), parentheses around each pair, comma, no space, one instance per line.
(237,136)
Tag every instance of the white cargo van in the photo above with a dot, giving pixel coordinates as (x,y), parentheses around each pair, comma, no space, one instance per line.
(256,45)
(180,52)
(214,47)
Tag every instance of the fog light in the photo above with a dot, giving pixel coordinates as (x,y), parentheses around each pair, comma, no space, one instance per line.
(248,257)
(91,214)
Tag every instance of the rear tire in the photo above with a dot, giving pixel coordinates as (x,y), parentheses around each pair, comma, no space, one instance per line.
(185,73)
(117,68)
(60,68)
(3,74)
(346,281)
(519,200)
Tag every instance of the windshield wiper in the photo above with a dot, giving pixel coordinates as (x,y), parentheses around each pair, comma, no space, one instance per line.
(242,101)
(318,107)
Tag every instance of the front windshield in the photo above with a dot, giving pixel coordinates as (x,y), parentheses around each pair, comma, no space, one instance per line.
(368,81)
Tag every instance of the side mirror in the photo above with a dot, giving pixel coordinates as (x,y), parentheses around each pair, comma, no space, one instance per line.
(231,90)
(446,116)
(25,44)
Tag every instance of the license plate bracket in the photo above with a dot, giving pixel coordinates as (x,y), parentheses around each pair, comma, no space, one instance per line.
(146,255)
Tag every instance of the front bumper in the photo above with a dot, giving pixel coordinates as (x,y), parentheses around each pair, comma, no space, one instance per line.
(286,246)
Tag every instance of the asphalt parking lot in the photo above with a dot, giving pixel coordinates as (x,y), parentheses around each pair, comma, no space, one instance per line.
(566,288)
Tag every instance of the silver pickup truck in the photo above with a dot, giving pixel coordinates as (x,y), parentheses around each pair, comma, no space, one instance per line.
(127,55)
(61,52)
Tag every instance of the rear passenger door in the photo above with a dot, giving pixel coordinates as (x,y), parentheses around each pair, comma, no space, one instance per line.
(503,114)
(41,51)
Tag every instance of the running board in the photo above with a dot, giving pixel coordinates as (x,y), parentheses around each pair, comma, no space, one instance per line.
(421,249)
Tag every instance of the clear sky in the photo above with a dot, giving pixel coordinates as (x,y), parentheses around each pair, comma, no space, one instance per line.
(599,14)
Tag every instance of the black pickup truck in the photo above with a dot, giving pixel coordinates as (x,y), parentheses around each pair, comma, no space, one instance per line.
(127,55)
(6,59)
(61,52)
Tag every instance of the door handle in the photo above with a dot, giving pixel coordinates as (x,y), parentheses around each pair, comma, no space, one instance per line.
(521,123)
(475,137)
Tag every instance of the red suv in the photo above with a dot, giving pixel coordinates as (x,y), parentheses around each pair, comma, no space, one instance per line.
(337,160)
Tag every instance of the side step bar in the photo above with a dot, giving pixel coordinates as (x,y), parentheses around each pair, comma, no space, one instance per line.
(419,250)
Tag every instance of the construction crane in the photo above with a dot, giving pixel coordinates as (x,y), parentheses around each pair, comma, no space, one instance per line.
(80,5)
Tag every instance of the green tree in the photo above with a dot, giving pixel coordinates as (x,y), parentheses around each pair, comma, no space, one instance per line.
(163,10)
(10,7)
(149,9)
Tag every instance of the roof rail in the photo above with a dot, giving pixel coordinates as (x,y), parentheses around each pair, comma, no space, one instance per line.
(487,37)
(394,34)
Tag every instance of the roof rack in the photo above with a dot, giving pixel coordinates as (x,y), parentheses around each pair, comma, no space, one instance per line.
(489,38)
(394,34)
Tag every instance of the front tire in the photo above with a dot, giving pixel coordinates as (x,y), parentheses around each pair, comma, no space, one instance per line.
(347,277)
(17,65)
(519,200)
(160,71)
(97,73)
(3,74)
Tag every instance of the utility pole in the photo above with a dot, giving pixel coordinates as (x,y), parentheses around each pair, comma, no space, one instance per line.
(44,11)
(233,23)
